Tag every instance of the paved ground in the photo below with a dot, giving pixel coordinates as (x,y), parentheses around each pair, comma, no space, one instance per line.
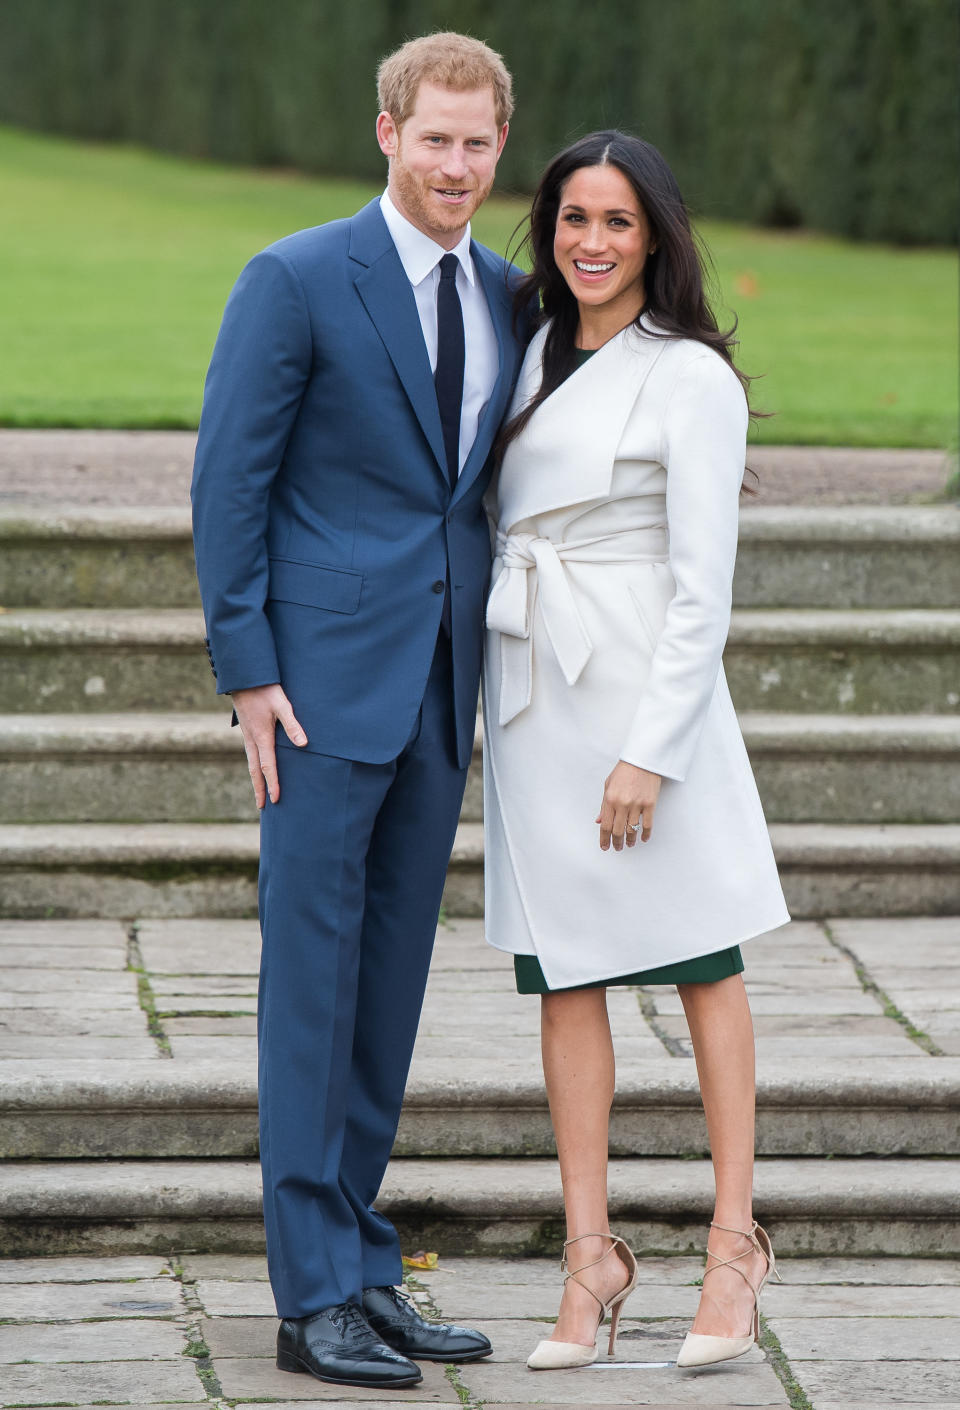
(851,1333)
(59,468)
(837,990)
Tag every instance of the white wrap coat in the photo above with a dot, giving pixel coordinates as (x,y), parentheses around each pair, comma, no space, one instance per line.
(617,512)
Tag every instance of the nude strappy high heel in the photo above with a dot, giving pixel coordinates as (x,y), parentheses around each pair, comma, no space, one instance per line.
(560,1355)
(700,1350)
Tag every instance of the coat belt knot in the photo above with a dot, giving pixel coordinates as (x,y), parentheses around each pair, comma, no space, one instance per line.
(511,604)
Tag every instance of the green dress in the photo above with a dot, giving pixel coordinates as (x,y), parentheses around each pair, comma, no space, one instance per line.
(704,969)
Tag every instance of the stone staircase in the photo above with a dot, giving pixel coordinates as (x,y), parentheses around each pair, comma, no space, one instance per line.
(122,792)
(128,849)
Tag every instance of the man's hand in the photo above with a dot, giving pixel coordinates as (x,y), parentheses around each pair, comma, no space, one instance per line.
(629,799)
(258,711)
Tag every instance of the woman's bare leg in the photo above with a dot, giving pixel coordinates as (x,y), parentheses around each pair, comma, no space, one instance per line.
(721,1030)
(578,1067)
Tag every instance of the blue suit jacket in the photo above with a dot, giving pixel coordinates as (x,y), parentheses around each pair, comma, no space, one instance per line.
(324,525)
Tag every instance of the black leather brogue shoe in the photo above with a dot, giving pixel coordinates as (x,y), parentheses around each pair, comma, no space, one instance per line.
(339,1345)
(394,1318)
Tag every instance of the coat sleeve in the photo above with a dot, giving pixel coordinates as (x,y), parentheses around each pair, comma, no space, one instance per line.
(703,442)
(252,394)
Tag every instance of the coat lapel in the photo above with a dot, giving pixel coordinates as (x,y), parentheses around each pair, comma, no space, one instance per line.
(388,298)
(499,296)
(566,453)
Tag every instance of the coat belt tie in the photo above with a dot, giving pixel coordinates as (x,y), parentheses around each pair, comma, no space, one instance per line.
(532,571)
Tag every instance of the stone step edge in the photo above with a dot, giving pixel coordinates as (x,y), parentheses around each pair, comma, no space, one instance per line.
(505,1189)
(138,733)
(178,628)
(873,525)
(127,846)
(31,1086)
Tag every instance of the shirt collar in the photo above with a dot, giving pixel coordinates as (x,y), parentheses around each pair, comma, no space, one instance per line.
(420,255)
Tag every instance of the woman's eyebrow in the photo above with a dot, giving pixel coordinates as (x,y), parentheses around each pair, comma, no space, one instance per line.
(616,210)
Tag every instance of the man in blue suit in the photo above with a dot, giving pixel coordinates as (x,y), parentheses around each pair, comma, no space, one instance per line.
(359,378)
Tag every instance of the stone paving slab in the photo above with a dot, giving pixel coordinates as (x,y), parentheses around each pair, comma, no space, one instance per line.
(37,1014)
(869,1272)
(83,1270)
(819,1001)
(241,1050)
(876,1338)
(881,1384)
(514,1338)
(76,1047)
(33,980)
(872,1405)
(71,1000)
(54,1302)
(780,1049)
(62,932)
(107,1382)
(494,1384)
(111,957)
(223,1026)
(175,1004)
(246,1378)
(232,1299)
(945,1000)
(847,1350)
(226,1267)
(784,1300)
(200,946)
(142,1340)
(814,1025)
(230,1336)
(168,986)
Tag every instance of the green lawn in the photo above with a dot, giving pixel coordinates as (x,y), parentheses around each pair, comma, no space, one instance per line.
(115,264)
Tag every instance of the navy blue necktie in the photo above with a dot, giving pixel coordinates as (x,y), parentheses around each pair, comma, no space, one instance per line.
(448,378)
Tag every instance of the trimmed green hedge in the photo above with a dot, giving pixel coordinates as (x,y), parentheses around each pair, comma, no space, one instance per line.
(840,116)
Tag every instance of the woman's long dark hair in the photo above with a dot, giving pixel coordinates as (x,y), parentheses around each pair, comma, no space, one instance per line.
(673,274)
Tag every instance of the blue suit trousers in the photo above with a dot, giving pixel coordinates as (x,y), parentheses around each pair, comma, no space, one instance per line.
(352,866)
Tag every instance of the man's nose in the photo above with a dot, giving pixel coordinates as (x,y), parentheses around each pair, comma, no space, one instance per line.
(455,162)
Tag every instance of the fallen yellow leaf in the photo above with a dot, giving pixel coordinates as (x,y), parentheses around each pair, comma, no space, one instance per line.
(424,1261)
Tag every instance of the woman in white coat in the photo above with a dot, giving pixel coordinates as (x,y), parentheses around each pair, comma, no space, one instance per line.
(617,506)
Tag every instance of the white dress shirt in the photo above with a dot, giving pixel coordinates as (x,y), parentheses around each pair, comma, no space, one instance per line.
(420,257)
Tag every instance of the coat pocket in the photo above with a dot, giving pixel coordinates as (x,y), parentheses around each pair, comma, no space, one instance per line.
(643,618)
(311,585)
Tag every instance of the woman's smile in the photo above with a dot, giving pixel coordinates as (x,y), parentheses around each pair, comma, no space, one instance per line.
(601,245)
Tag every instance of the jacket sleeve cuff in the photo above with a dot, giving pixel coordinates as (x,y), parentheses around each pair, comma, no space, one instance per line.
(246,659)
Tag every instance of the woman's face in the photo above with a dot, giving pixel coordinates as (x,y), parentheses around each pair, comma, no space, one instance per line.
(602,241)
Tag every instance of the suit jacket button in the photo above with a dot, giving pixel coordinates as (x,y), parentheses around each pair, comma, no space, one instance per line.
(438,586)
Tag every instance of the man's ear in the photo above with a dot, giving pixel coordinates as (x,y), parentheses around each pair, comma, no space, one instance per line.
(502,138)
(388,135)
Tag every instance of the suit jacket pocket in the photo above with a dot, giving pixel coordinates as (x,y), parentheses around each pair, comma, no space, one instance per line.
(312,585)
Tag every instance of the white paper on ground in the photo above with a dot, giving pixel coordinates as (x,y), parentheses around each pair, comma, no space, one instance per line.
(627,1365)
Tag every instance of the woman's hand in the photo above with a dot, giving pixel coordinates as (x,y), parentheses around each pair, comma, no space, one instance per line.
(629,799)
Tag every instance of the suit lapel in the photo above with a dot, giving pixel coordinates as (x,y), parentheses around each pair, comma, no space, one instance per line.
(388,298)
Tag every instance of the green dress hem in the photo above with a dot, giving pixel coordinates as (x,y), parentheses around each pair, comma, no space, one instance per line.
(703,969)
